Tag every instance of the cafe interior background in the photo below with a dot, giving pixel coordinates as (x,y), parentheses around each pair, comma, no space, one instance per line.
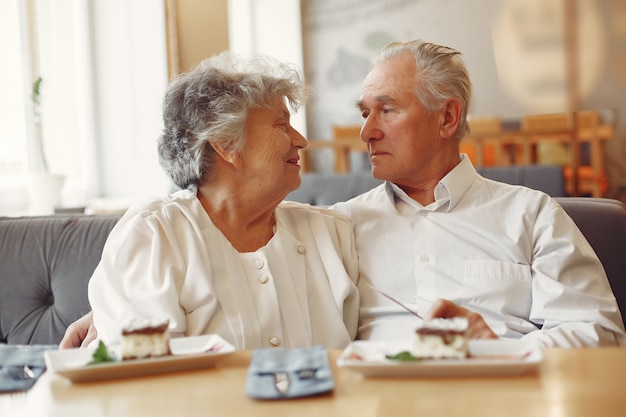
(82,81)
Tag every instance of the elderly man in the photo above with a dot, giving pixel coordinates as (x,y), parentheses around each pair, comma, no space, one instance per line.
(447,242)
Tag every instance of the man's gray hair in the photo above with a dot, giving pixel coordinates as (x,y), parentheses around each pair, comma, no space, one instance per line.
(441,74)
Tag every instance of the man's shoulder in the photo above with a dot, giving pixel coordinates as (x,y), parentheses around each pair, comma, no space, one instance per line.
(373,197)
(505,194)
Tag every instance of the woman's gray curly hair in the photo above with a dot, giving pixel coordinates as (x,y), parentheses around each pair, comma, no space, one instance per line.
(441,74)
(209,105)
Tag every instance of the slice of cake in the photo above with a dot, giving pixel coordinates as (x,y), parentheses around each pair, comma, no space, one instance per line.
(441,338)
(145,339)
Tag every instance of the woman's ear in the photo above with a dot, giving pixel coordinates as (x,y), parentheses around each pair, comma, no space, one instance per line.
(230,157)
(451,117)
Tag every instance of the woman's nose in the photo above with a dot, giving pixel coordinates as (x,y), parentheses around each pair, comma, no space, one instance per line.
(297,139)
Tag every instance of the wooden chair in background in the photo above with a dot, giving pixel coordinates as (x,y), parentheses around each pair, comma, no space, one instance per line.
(346,139)
(482,143)
(569,132)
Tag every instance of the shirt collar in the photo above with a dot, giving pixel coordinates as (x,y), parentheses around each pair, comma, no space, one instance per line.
(448,191)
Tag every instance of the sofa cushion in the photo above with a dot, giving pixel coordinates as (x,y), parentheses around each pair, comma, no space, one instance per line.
(45,268)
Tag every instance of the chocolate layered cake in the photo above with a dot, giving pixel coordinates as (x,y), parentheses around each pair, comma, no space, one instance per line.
(441,338)
(145,339)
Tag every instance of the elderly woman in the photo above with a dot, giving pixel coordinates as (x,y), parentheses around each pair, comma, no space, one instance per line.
(226,255)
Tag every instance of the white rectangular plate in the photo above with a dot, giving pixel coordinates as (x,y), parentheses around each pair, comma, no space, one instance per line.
(486,357)
(187,353)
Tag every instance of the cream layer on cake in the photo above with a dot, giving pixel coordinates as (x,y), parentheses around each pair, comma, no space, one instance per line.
(441,338)
(144,339)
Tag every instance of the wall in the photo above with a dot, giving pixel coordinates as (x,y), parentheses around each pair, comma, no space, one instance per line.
(202,30)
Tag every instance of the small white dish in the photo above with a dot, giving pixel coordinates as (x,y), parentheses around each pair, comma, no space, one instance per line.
(187,353)
(486,357)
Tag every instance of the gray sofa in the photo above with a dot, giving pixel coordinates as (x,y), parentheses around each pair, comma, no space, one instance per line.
(324,189)
(46,262)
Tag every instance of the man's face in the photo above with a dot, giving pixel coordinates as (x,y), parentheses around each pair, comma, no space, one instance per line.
(402,137)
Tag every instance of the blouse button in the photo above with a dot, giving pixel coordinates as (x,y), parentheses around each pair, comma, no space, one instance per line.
(301,249)
(424,258)
(258,263)
(263,279)
(275,341)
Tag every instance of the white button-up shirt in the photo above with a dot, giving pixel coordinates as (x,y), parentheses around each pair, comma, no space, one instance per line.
(165,259)
(507,252)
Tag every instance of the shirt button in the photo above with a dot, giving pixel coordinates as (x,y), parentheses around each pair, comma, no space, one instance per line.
(424,258)
(301,249)
(258,263)
(423,213)
(263,279)
(275,341)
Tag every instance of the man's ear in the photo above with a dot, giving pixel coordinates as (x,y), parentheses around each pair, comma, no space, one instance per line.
(451,118)
(228,156)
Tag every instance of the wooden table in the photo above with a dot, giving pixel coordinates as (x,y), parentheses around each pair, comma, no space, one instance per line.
(570,382)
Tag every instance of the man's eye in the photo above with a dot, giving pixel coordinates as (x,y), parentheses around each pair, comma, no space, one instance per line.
(387,110)
(364,114)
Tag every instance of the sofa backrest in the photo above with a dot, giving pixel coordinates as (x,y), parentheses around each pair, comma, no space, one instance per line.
(603,222)
(325,189)
(45,265)
(546,178)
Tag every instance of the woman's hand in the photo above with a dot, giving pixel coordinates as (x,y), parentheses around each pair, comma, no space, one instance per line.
(477,327)
(80,333)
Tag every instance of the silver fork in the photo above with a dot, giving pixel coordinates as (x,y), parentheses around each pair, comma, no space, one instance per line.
(281,382)
(384,294)
(20,373)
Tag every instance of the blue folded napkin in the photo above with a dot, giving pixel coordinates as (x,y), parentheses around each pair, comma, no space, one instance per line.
(289,373)
(13,360)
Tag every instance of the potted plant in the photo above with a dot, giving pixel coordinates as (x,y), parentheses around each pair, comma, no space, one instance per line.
(44,188)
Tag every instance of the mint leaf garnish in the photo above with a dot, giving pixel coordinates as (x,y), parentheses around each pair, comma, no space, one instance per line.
(404,356)
(101,354)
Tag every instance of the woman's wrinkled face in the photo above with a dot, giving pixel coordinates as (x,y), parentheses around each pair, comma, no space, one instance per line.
(270,154)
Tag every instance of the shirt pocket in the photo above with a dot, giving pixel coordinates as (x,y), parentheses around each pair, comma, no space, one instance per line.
(500,286)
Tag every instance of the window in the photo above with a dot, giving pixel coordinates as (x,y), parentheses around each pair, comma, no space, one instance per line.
(103,69)
(12,101)
(43,132)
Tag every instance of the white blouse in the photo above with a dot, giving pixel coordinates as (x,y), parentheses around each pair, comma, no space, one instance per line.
(165,259)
